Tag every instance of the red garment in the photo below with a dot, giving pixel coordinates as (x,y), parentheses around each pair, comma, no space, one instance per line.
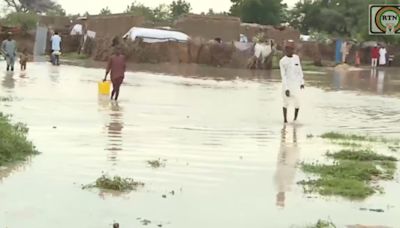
(375,53)
(117,66)
(116,82)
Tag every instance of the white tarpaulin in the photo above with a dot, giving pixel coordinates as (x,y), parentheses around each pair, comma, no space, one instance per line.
(77,30)
(155,35)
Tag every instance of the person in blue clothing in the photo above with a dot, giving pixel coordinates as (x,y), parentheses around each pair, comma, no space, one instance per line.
(55,48)
(9,50)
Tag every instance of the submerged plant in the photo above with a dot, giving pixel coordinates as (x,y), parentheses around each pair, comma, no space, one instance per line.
(360,155)
(14,145)
(115,183)
(156,163)
(351,175)
(355,137)
(341,136)
(322,224)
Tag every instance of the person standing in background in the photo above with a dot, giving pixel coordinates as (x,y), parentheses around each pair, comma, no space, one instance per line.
(55,48)
(374,56)
(9,49)
(382,56)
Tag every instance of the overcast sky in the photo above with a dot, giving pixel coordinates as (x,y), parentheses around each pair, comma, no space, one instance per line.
(118,6)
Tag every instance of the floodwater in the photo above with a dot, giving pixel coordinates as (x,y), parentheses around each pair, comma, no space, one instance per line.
(229,159)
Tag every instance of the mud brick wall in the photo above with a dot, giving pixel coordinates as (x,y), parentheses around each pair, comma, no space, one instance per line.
(55,22)
(210,27)
(23,41)
(113,25)
(270,32)
(310,50)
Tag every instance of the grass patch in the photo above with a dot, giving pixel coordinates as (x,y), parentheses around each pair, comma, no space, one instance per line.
(156,163)
(360,155)
(322,224)
(347,143)
(355,137)
(115,183)
(394,147)
(14,145)
(351,174)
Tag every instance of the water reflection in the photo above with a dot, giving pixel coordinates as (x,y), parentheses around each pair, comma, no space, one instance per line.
(286,169)
(114,132)
(23,74)
(9,81)
(381,80)
(54,73)
(6,171)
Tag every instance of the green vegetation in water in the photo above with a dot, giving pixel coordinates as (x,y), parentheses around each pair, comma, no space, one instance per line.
(394,148)
(348,143)
(351,174)
(322,224)
(14,145)
(6,99)
(355,137)
(115,183)
(360,155)
(156,163)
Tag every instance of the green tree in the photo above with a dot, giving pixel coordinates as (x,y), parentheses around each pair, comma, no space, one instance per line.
(179,8)
(26,21)
(161,13)
(57,10)
(138,9)
(343,18)
(35,6)
(105,11)
(267,12)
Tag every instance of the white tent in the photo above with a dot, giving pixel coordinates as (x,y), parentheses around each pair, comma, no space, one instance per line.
(155,35)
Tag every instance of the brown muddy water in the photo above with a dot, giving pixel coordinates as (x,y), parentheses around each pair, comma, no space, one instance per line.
(229,160)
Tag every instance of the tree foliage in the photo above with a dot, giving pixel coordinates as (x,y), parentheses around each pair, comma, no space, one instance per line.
(179,8)
(105,11)
(26,21)
(57,10)
(35,6)
(267,12)
(138,9)
(342,18)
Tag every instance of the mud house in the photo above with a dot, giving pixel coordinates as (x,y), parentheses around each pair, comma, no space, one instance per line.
(113,25)
(209,27)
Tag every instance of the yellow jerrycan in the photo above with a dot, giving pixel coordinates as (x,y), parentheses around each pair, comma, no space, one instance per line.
(104,88)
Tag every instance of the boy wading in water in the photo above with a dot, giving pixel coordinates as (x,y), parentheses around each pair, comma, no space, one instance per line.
(23,59)
(116,67)
(292,79)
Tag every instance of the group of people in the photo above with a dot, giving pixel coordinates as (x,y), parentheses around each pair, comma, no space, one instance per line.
(378,53)
(9,51)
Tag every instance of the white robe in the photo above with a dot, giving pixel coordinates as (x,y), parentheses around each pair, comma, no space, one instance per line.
(382,56)
(292,79)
